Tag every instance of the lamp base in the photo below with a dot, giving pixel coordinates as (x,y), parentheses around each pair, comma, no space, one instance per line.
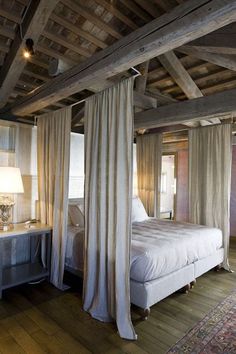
(6,205)
(6,227)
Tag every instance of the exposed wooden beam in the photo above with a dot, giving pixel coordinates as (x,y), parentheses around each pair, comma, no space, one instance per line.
(144,101)
(186,22)
(181,76)
(141,81)
(33,24)
(226,61)
(222,41)
(214,106)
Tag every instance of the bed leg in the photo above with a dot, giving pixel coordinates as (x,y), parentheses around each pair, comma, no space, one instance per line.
(217,268)
(186,288)
(146,313)
(193,283)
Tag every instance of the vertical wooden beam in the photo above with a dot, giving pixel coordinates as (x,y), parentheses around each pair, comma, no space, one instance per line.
(141,81)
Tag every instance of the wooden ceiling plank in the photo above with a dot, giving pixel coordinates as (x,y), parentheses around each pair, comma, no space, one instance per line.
(226,61)
(213,106)
(131,5)
(94,19)
(67,44)
(117,13)
(55,54)
(10,15)
(184,23)
(35,20)
(166,5)
(7,32)
(150,8)
(78,31)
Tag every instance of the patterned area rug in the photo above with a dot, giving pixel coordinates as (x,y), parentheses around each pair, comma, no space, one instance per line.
(215,334)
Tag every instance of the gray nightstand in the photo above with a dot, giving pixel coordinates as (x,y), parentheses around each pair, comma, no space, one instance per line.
(34,270)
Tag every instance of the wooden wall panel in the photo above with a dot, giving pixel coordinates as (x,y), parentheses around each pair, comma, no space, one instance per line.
(233,196)
(182,186)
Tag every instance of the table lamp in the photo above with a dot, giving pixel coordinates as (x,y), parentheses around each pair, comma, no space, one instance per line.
(10,184)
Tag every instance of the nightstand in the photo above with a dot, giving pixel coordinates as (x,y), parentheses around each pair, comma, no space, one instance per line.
(33,270)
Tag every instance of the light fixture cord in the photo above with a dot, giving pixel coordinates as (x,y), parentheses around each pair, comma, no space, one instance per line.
(24,13)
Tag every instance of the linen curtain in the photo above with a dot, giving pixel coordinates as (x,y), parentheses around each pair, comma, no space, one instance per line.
(210,159)
(149,156)
(108,197)
(53,148)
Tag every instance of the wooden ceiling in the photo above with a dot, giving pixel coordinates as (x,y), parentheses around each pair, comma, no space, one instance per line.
(75,30)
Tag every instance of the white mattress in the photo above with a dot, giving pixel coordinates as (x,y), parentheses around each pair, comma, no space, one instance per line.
(158,247)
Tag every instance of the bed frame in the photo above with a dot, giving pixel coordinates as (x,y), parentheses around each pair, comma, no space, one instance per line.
(145,295)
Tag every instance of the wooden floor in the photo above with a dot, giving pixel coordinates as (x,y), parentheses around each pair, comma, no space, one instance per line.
(41,319)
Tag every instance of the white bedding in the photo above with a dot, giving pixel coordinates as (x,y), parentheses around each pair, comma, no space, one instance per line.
(158,247)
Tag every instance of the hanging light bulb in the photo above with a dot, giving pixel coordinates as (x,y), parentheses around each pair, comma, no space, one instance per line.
(29,48)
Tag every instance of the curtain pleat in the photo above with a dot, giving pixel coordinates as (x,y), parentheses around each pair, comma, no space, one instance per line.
(210,160)
(53,148)
(108,195)
(149,156)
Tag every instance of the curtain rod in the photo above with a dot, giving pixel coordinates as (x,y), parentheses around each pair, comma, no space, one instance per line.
(138,73)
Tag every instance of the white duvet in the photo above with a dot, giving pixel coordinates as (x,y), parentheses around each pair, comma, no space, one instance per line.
(158,247)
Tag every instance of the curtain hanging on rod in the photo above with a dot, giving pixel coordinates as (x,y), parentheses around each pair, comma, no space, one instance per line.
(53,145)
(108,199)
(210,160)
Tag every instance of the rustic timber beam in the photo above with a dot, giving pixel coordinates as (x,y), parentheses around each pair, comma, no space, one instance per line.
(181,76)
(222,41)
(184,23)
(226,61)
(214,106)
(35,19)
(141,81)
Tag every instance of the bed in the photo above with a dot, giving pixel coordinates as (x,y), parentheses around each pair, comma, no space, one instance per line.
(165,256)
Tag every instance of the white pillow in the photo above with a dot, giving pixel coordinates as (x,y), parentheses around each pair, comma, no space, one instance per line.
(76,215)
(138,211)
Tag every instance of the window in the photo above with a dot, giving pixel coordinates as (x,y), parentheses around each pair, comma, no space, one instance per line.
(76,180)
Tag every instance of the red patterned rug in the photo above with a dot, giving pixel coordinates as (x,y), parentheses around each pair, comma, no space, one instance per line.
(215,334)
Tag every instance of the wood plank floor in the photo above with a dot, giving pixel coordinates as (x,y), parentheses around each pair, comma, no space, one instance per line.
(41,319)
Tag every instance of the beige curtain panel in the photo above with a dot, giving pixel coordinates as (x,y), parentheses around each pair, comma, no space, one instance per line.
(210,159)
(108,196)
(149,156)
(53,144)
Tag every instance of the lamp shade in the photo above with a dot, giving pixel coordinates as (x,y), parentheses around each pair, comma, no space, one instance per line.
(10,180)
